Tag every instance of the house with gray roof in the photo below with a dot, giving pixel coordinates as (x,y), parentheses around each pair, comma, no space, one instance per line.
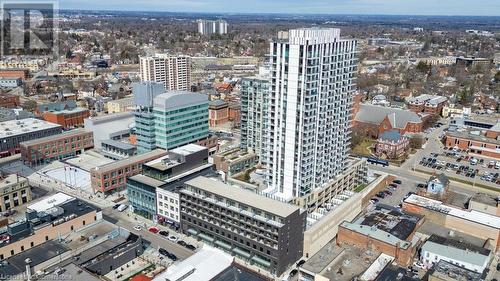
(459,253)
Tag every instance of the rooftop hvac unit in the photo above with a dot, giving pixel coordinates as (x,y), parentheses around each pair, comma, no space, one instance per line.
(55,211)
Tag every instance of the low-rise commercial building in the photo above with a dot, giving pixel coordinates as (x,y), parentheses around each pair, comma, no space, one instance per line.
(9,101)
(234,161)
(56,147)
(11,82)
(385,229)
(15,73)
(113,126)
(465,255)
(474,142)
(113,177)
(48,219)
(266,232)
(445,271)
(121,105)
(155,192)
(475,223)
(14,132)
(68,118)
(485,203)
(15,191)
(117,150)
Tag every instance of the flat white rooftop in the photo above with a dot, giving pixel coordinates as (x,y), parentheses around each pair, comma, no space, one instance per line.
(205,265)
(50,202)
(19,127)
(438,206)
(188,149)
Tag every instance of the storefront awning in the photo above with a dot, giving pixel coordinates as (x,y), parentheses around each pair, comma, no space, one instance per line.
(261,261)
(206,237)
(223,244)
(241,252)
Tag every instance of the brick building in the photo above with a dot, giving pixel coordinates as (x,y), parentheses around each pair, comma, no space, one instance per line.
(478,224)
(375,120)
(47,219)
(67,118)
(391,144)
(427,103)
(485,145)
(9,101)
(13,132)
(14,73)
(113,176)
(384,229)
(218,113)
(61,146)
(235,113)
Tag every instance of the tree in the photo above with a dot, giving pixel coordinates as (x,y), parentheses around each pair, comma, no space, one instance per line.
(497,76)
(423,67)
(29,105)
(416,142)
(430,121)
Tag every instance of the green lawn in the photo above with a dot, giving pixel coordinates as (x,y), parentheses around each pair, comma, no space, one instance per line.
(359,188)
(363,148)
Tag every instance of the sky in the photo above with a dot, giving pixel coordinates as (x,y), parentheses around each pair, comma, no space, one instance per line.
(394,7)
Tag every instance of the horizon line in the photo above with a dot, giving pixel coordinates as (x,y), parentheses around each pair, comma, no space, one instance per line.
(272,13)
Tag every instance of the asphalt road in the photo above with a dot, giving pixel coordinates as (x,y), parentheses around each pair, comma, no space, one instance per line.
(157,241)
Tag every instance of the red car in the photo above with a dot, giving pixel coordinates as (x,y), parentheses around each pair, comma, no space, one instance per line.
(153,229)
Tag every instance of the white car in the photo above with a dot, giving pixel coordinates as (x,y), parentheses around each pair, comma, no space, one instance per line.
(138,228)
(173,238)
(418,264)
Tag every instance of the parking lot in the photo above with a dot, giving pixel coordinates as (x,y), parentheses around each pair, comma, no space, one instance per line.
(394,193)
(457,164)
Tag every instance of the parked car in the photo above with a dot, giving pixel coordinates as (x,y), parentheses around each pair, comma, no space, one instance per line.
(138,228)
(182,243)
(163,252)
(388,192)
(397,181)
(293,272)
(420,185)
(191,247)
(116,206)
(163,233)
(173,238)
(380,195)
(418,264)
(153,229)
(122,208)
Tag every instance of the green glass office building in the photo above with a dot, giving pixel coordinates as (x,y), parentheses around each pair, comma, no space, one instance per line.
(180,118)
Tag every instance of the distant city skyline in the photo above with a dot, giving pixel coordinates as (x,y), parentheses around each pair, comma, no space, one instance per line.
(376,7)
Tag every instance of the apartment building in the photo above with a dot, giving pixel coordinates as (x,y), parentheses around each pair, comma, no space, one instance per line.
(309,124)
(56,147)
(266,232)
(209,27)
(254,113)
(173,71)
